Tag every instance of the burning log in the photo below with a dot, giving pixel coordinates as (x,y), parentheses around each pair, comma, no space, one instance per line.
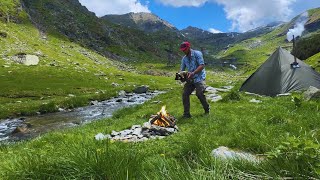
(163,119)
(160,125)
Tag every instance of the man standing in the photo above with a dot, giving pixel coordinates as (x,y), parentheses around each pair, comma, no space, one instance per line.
(194,62)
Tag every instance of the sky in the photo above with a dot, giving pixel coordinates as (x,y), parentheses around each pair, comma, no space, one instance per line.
(211,15)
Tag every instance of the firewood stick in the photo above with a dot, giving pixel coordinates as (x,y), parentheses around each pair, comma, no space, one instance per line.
(171,124)
(155,118)
(170,118)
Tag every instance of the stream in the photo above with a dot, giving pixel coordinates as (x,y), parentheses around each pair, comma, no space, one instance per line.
(23,128)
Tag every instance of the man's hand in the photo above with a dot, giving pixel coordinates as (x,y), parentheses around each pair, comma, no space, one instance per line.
(199,68)
(190,75)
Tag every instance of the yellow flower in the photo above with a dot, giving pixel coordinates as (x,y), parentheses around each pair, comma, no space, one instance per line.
(99,151)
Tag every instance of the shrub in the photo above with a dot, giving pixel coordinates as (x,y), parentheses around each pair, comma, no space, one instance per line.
(307,47)
(233,95)
(301,152)
(297,101)
(49,107)
(74,102)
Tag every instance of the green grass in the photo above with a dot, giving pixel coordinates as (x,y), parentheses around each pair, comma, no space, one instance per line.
(256,128)
(314,14)
(314,61)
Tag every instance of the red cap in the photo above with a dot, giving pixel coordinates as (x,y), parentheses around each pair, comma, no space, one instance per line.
(184,46)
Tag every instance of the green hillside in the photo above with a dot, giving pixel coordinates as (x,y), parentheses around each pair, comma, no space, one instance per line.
(314,61)
(76,23)
(64,68)
(314,18)
(308,45)
(253,52)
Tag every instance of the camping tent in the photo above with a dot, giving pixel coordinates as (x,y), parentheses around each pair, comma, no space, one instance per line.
(277,76)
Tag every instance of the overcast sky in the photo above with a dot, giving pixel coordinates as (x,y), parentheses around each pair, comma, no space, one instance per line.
(212,15)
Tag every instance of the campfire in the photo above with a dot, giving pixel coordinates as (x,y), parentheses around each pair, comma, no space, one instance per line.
(160,125)
(163,119)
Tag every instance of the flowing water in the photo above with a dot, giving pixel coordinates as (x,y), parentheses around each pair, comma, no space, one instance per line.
(28,127)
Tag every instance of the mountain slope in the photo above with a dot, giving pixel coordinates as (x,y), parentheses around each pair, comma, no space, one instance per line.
(70,19)
(73,21)
(256,50)
(146,22)
(221,41)
(154,37)
(68,75)
(309,43)
(212,42)
(313,22)
(314,61)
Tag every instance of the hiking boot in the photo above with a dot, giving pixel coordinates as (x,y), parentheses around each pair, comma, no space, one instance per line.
(207,111)
(186,116)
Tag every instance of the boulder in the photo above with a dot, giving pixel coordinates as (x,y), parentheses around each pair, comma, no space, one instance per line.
(115,84)
(28,60)
(214,97)
(255,101)
(311,93)
(100,136)
(211,90)
(225,153)
(122,93)
(141,89)
(94,102)
(20,129)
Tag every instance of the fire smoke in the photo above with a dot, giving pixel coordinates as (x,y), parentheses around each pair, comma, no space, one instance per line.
(298,27)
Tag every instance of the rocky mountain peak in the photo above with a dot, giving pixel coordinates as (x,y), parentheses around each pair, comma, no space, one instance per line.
(190,30)
(149,17)
(147,22)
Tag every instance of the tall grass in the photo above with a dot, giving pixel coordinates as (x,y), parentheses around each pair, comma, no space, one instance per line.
(273,129)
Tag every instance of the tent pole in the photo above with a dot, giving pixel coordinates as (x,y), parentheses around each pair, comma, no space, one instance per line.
(293,49)
(295,64)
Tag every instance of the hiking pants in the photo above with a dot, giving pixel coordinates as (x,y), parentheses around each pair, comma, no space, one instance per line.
(188,89)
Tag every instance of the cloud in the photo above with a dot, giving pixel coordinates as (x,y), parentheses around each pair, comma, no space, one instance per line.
(245,14)
(180,3)
(103,7)
(214,31)
(249,14)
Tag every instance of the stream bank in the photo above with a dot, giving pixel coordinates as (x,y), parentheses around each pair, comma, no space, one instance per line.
(23,128)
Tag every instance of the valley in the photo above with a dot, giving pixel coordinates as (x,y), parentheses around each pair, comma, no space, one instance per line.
(79,58)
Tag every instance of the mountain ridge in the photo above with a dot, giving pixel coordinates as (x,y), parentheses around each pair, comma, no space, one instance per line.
(146,22)
(148,38)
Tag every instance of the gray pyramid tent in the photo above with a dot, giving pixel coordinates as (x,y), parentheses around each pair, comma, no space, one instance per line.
(276,76)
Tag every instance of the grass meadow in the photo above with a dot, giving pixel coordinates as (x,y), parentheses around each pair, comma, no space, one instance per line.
(279,130)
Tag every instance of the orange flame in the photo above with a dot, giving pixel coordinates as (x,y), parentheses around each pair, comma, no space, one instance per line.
(163,111)
(162,120)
